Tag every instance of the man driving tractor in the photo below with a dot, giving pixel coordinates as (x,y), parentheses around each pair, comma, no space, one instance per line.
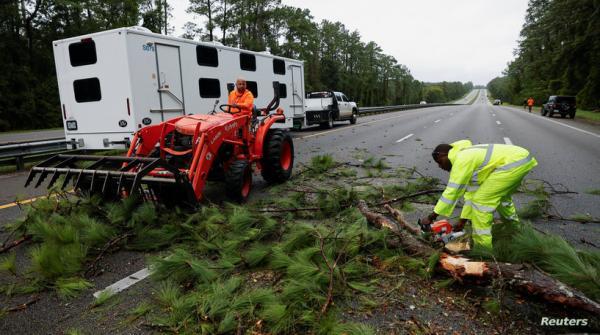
(487,175)
(241,99)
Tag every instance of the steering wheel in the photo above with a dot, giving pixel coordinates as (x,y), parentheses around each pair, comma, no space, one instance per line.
(227,108)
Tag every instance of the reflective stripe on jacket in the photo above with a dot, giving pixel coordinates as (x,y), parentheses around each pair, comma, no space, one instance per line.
(472,165)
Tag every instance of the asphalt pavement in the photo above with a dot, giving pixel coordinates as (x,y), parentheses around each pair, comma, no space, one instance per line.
(36,135)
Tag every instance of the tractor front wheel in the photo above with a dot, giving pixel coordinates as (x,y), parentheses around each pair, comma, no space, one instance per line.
(238,180)
(278,156)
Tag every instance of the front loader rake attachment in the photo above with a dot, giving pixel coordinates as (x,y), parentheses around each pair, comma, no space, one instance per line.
(152,179)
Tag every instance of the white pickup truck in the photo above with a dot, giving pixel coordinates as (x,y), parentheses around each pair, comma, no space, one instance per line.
(324,108)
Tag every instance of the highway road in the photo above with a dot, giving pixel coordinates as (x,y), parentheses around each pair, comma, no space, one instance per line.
(568,152)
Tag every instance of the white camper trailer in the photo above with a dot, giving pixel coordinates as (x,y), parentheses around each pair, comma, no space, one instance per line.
(113,83)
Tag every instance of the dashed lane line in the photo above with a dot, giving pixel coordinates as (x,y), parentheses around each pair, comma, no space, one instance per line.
(436,121)
(507,141)
(360,124)
(404,138)
(124,283)
(498,122)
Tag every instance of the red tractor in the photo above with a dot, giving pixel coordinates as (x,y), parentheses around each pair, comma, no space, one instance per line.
(170,162)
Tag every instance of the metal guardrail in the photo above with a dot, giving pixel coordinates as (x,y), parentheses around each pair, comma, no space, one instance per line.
(385,109)
(19,152)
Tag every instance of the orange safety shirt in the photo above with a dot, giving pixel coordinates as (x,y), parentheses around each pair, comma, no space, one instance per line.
(530,102)
(244,100)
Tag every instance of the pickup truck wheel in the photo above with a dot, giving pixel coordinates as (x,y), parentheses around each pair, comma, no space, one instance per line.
(354,116)
(563,115)
(278,156)
(329,123)
(543,112)
(238,180)
(572,115)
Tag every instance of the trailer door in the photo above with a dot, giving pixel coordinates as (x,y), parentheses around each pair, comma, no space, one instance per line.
(297,90)
(170,85)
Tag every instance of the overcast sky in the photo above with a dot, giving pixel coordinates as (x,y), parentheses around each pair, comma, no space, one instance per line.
(452,40)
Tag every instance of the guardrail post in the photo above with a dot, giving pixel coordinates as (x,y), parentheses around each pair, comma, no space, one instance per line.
(20,163)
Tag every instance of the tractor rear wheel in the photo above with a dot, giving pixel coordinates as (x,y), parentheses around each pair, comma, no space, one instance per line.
(278,156)
(238,180)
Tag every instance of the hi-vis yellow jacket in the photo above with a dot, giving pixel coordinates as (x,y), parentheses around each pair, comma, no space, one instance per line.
(473,164)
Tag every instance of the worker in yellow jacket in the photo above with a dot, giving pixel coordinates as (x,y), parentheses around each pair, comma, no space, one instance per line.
(487,175)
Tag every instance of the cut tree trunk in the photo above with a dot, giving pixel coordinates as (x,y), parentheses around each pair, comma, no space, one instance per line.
(522,278)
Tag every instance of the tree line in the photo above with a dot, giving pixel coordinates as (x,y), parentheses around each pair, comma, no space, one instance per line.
(335,57)
(558,54)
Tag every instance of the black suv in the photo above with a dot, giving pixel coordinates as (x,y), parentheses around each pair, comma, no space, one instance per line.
(565,105)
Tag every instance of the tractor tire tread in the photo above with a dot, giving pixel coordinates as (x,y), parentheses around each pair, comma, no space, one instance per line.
(272,172)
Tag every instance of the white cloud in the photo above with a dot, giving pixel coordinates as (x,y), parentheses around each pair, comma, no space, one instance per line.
(465,40)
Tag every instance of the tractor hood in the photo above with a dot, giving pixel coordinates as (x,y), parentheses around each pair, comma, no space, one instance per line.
(187,125)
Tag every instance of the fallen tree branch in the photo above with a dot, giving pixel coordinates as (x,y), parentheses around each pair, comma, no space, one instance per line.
(408,242)
(520,277)
(387,202)
(24,305)
(106,247)
(15,243)
(280,210)
(400,219)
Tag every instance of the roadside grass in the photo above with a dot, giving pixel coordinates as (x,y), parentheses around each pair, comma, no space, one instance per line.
(301,259)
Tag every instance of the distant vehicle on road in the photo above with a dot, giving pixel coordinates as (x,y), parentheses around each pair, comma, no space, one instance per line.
(497,102)
(323,108)
(562,104)
(423,102)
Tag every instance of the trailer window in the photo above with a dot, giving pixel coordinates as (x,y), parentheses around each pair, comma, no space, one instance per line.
(278,66)
(282,90)
(82,53)
(247,62)
(209,88)
(207,56)
(87,90)
(252,87)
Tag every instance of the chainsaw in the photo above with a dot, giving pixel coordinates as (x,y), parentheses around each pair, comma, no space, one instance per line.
(441,231)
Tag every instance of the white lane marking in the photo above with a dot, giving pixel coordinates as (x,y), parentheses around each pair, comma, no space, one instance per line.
(404,138)
(364,124)
(493,114)
(436,121)
(498,122)
(507,141)
(125,282)
(560,124)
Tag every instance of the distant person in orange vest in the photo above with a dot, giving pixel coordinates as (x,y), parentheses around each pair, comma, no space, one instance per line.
(530,103)
(241,98)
